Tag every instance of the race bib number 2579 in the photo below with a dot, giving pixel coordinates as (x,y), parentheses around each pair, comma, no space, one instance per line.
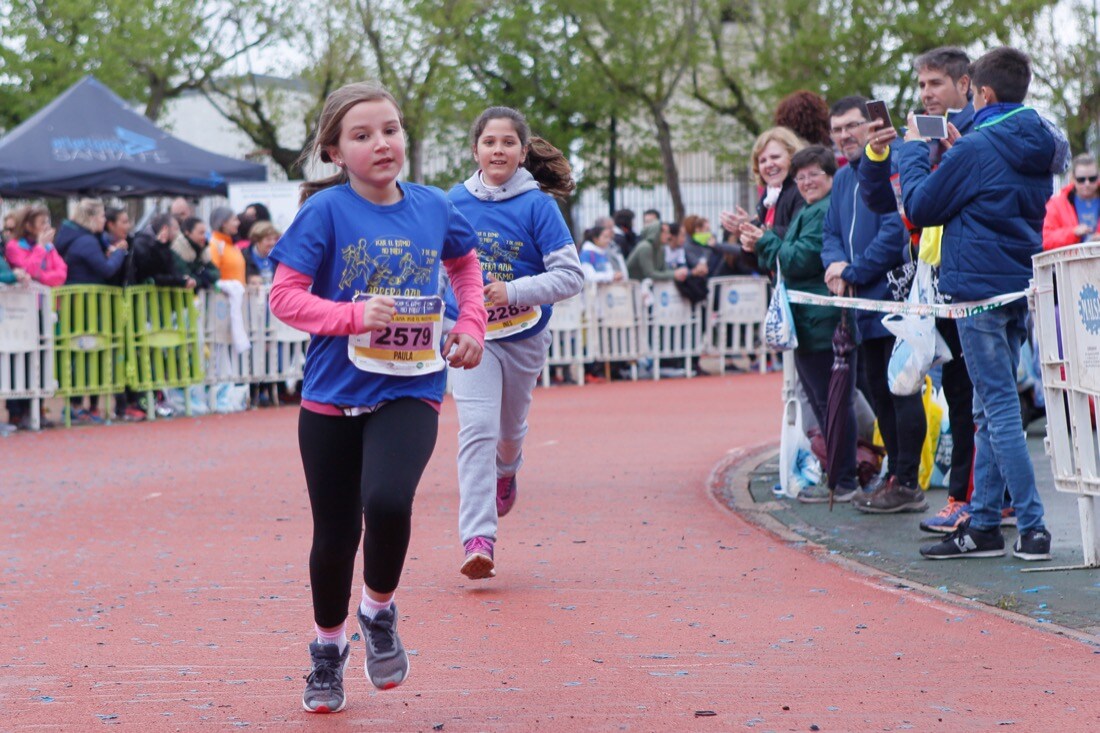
(408,346)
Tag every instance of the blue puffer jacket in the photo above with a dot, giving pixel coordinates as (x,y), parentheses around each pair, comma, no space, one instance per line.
(83,252)
(989,193)
(873,245)
(876,178)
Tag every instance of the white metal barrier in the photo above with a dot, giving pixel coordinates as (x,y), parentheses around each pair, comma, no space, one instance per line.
(1065,301)
(737,306)
(629,321)
(675,327)
(571,337)
(26,346)
(621,324)
(276,353)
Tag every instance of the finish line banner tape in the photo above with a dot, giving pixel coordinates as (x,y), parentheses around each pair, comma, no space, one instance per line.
(939,310)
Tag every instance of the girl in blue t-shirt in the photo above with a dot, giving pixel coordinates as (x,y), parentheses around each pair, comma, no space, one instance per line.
(530,262)
(359,269)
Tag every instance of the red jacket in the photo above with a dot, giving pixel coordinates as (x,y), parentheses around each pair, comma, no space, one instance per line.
(1061,220)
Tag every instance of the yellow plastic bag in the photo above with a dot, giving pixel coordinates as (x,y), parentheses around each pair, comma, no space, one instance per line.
(933,414)
(930,238)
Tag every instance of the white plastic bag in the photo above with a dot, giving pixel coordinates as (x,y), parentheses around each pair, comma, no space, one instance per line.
(779,331)
(229,398)
(918,344)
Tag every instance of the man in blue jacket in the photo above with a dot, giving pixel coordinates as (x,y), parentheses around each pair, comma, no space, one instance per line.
(860,249)
(943,75)
(989,193)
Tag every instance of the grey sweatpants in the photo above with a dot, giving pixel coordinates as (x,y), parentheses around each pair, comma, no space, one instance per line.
(493,401)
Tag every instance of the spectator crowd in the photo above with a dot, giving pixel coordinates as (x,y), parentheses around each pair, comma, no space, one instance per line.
(96,245)
(848,205)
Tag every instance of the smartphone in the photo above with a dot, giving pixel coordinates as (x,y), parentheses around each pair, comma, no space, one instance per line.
(931,126)
(876,110)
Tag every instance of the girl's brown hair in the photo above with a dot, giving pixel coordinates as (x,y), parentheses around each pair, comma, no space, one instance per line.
(546,163)
(328,129)
(692,223)
(25,217)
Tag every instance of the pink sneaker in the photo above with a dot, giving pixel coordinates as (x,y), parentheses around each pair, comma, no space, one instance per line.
(479,559)
(506,494)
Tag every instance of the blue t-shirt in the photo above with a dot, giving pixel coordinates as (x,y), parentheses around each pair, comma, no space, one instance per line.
(350,246)
(1088,213)
(513,237)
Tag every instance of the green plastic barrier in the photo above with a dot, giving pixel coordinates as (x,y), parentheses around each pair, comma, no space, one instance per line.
(89,341)
(162,341)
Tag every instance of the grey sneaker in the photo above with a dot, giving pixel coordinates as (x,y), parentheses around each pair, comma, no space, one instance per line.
(892,498)
(325,681)
(816,494)
(387,664)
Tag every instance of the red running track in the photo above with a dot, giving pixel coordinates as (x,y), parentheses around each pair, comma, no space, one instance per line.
(154,578)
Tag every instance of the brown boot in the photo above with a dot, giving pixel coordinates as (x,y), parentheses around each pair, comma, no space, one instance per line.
(892,497)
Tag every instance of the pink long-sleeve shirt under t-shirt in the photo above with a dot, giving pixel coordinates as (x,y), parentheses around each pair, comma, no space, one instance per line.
(298,307)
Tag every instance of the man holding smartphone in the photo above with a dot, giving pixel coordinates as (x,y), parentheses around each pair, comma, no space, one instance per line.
(942,75)
(859,250)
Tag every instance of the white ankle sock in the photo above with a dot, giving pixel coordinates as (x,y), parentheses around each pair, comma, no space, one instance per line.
(370,607)
(337,637)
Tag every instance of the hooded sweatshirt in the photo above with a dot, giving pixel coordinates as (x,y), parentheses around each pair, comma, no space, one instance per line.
(989,193)
(648,259)
(523,241)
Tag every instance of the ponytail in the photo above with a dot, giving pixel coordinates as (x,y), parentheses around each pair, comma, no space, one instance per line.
(308,188)
(550,168)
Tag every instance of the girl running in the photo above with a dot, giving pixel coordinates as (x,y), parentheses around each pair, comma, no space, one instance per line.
(359,269)
(530,262)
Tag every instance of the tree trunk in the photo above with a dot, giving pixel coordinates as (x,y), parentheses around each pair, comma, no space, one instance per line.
(612,163)
(668,161)
(414,152)
(157,94)
(288,161)
(566,208)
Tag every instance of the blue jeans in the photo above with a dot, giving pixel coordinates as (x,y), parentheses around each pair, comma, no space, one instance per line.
(991,342)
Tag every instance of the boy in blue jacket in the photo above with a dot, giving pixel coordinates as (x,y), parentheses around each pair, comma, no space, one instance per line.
(989,193)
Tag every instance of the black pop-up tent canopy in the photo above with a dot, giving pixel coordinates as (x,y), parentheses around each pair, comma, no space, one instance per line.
(88,142)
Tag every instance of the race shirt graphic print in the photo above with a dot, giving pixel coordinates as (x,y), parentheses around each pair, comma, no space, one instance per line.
(392,266)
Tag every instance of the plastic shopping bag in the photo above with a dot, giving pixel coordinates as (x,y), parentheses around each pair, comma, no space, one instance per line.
(779,331)
(933,414)
(941,466)
(918,343)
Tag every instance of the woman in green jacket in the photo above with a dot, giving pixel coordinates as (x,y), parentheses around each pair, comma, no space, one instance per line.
(798,257)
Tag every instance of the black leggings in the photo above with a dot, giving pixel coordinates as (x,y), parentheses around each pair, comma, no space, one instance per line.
(901,420)
(363,466)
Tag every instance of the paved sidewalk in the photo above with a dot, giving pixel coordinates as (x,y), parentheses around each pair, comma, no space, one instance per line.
(154,578)
(1069,598)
